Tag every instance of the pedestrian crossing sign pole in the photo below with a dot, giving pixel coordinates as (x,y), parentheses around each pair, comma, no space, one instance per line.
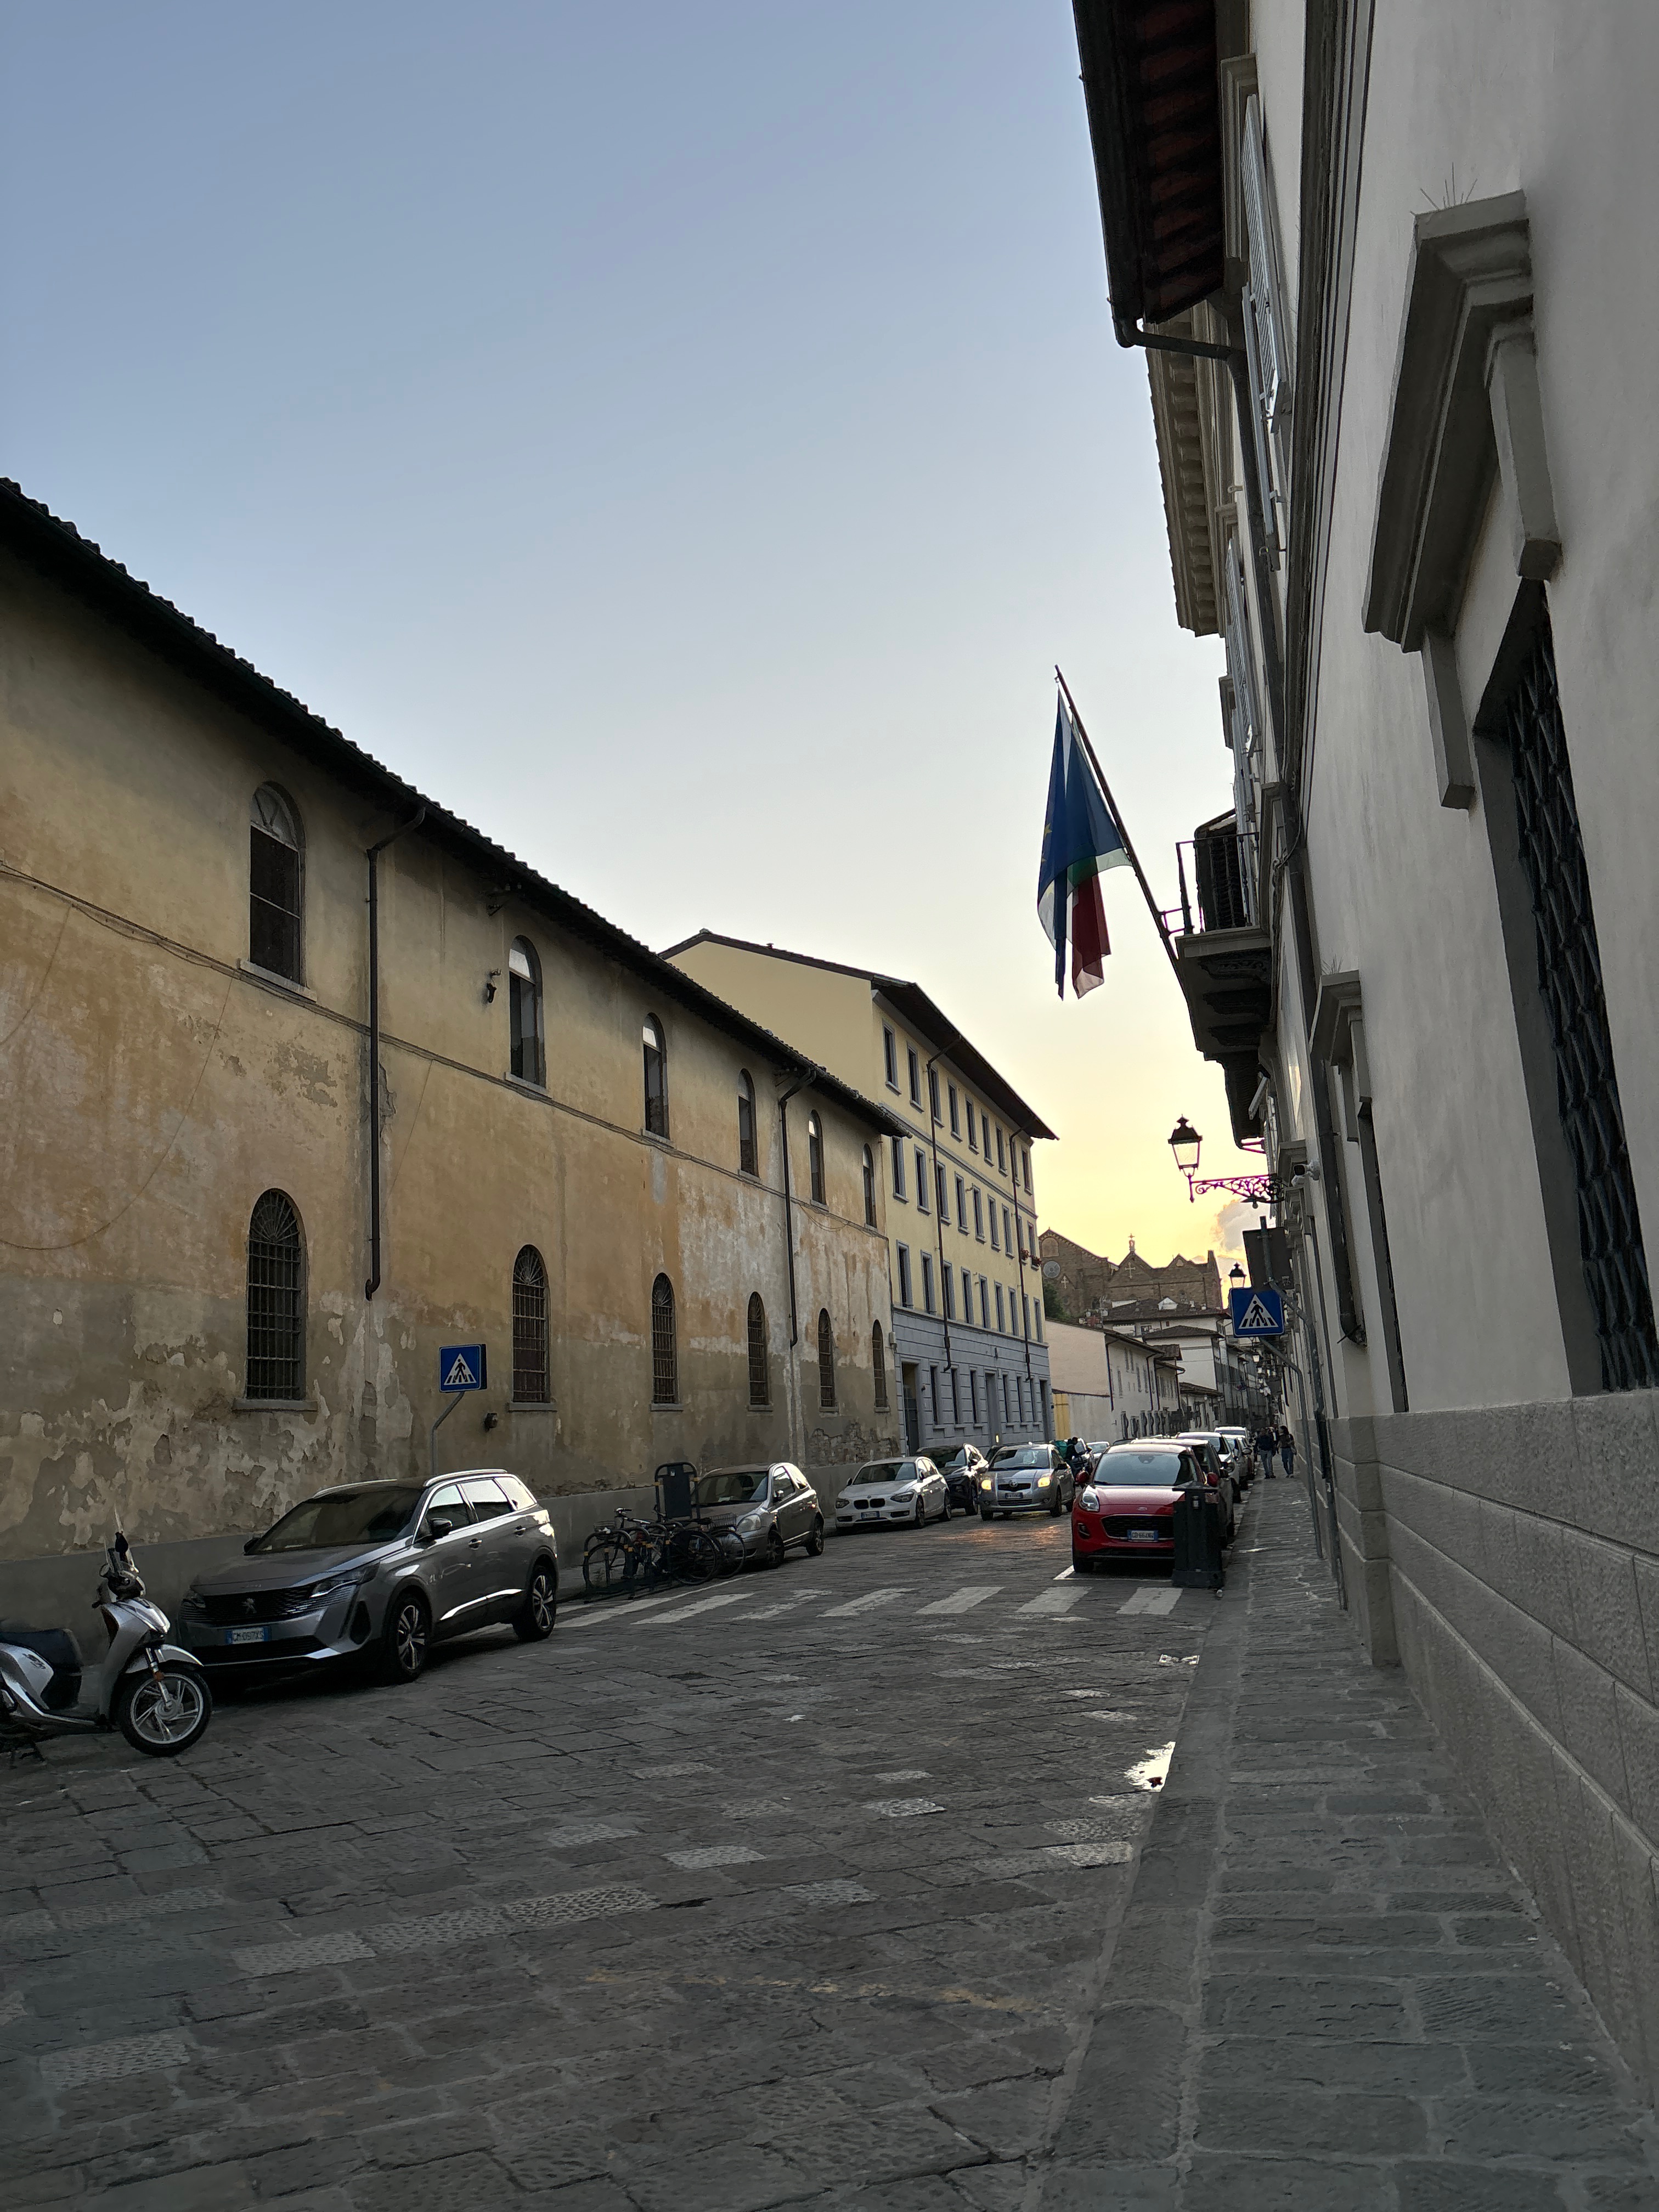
(1258,1312)
(461,1368)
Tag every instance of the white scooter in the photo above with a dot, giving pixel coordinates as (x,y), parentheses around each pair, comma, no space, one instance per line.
(154,1692)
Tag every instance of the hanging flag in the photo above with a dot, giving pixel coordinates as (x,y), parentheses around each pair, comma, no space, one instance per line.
(1079,838)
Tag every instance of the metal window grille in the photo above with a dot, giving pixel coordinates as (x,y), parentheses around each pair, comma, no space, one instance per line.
(1569,980)
(665,1363)
(530,1379)
(275,1301)
(878,1366)
(748,1150)
(760,1379)
(826,1363)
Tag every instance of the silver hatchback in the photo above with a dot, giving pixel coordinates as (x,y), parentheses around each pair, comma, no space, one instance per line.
(772,1506)
(377,1571)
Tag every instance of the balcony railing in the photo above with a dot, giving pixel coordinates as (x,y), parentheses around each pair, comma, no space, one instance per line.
(1216,868)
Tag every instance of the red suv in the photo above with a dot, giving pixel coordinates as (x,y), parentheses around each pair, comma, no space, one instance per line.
(1126,1511)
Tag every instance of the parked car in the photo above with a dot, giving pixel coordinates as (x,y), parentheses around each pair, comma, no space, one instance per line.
(773,1508)
(909,1489)
(1206,1448)
(1025,1478)
(1243,1448)
(377,1571)
(1128,1512)
(962,1466)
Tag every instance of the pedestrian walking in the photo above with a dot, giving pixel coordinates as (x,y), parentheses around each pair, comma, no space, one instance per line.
(1267,1445)
(1287,1450)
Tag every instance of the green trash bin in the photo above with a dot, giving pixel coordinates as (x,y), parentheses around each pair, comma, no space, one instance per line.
(1197,1535)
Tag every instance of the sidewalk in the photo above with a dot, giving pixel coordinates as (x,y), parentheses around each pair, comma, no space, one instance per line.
(1328,1993)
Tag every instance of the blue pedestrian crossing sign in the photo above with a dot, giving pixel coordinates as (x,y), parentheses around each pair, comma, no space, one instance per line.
(462,1367)
(1257,1313)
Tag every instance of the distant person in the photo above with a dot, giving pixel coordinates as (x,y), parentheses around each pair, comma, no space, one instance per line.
(1267,1446)
(1287,1450)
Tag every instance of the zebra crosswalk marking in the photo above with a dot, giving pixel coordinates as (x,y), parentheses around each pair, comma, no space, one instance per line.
(703,1605)
(1061,1599)
(962,1601)
(867,1603)
(1152,1601)
(611,1610)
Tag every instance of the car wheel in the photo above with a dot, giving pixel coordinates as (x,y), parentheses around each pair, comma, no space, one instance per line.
(1080,1566)
(405,1638)
(815,1539)
(533,1622)
(773,1549)
(984,1512)
(1055,1504)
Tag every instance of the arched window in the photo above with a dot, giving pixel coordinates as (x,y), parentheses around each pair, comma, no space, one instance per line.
(665,1362)
(275,1301)
(530,1386)
(814,1157)
(760,1371)
(879,1365)
(524,984)
(826,1363)
(273,884)
(869,1188)
(748,1148)
(656,1079)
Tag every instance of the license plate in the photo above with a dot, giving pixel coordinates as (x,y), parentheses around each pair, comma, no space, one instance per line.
(248,1636)
(1143,1535)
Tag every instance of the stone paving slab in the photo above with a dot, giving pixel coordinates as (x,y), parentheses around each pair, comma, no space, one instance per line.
(1328,1993)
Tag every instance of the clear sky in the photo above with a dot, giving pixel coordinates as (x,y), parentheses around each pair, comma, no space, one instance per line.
(682,440)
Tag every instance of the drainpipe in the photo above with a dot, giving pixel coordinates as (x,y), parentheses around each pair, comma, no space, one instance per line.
(938,1218)
(373,857)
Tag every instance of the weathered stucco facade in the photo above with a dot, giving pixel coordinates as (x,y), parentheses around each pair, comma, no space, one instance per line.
(154,1084)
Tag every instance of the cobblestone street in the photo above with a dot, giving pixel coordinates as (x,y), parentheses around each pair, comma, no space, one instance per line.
(808,1889)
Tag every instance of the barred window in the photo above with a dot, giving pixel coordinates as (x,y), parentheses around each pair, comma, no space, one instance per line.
(524,977)
(530,1384)
(748,1148)
(826,1362)
(814,1157)
(275,1301)
(665,1361)
(869,1188)
(879,1367)
(760,1374)
(273,883)
(656,1079)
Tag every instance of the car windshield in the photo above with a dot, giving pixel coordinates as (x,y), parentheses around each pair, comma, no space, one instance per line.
(1147,1470)
(943,1455)
(732,1486)
(1024,1455)
(371,1515)
(879,1470)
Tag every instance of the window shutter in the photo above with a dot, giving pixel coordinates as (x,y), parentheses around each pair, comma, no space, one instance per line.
(1240,657)
(1267,302)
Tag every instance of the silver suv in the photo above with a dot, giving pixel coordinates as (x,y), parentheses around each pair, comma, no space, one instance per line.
(377,1571)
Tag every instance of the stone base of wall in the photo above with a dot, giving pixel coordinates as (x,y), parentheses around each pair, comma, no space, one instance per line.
(1508,1557)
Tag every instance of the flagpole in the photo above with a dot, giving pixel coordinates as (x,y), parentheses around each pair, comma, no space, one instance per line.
(1152,907)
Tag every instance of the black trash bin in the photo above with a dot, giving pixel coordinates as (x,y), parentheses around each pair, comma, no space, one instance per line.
(1197,1535)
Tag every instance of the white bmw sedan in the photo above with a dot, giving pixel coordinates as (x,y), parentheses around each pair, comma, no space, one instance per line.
(909,1489)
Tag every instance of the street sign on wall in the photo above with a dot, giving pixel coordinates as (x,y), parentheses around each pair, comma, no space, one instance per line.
(1257,1313)
(463,1367)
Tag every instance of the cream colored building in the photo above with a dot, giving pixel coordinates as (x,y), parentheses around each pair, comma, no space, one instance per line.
(961,1195)
(1109,1386)
(236,1227)
(1391,266)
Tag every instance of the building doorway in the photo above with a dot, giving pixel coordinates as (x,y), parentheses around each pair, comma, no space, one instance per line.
(912,1411)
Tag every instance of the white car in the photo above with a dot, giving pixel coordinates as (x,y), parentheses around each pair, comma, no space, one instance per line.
(909,1489)
(1243,1451)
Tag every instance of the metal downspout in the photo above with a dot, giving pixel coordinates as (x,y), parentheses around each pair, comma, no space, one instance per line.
(373,857)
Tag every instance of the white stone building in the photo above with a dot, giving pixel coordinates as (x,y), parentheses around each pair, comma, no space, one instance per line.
(1391,266)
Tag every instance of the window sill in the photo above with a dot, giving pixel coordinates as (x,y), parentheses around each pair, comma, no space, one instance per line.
(273,1406)
(530,1405)
(655,1137)
(523,1082)
(668,1405)
(280,982)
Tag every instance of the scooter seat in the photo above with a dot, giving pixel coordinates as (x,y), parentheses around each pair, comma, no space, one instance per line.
(61,1653)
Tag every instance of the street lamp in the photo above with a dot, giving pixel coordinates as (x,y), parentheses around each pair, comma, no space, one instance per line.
(1236,1276)
(1261,1189)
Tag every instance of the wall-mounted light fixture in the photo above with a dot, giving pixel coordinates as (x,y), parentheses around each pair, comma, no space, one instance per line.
(491,982)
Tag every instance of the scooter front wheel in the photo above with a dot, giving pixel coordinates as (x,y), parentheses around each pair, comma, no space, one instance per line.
(165,1711)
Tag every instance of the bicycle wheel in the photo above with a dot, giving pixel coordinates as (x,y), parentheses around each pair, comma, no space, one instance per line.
(732,1552)
(699,1560)
(604,1567)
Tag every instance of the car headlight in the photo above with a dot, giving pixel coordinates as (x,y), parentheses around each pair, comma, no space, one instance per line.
(902,1496)
(985,1482)
(192,1600)
(351,1579)
(1089,1500)
(750,1524)
(1043,1480)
